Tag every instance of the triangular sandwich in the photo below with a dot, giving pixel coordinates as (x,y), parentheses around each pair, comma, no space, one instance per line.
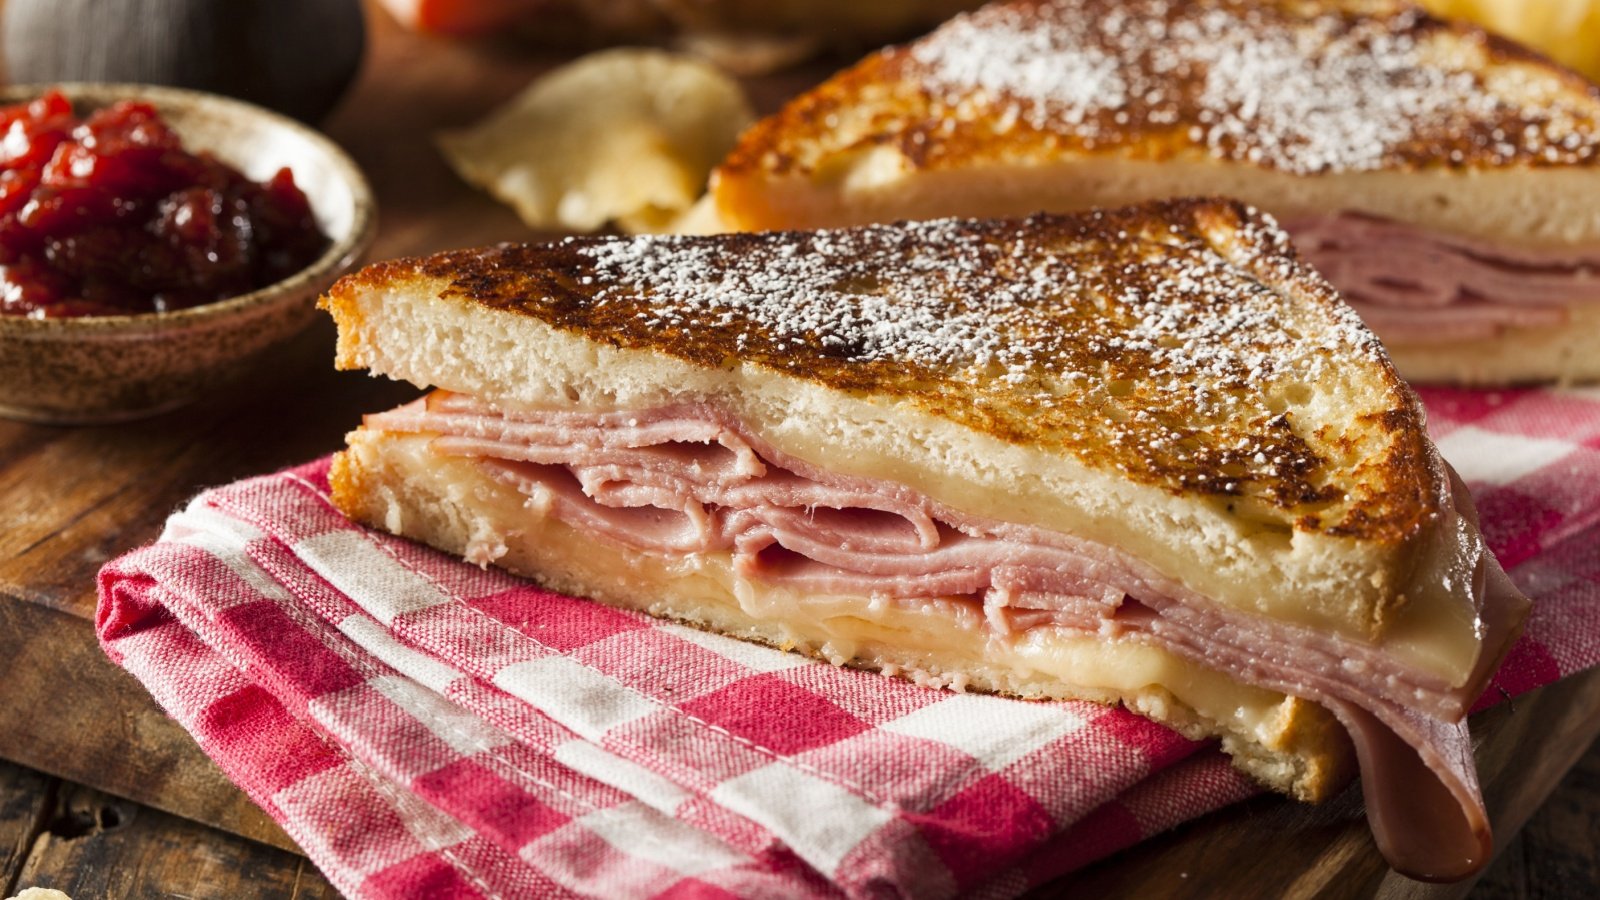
(1141,456)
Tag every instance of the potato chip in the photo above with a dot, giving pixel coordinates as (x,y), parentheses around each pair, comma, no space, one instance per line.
(626,136)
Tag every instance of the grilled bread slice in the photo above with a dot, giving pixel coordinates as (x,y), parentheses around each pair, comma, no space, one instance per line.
(1355,108)
(1141,455)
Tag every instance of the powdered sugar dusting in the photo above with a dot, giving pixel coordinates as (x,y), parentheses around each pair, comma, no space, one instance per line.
(829,291)
(1304,88)
(1129,329)
(1010,54)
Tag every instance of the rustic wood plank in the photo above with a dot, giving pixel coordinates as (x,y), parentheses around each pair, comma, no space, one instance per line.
(25,796)
(1507,879)
(69,712)
(1557,854)
(95,845)
(83,495)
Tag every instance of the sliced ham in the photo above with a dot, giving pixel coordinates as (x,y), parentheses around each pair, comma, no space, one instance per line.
(1413,285)
(691,479)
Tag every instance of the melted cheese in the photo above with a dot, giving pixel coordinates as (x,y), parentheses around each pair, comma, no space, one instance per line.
(937,641)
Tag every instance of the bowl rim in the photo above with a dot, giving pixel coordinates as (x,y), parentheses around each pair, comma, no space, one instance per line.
(340,255)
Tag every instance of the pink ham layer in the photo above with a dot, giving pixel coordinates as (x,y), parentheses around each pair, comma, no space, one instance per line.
(691,479)
(1412,285)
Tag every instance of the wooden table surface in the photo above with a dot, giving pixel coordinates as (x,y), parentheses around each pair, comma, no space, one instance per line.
(103,796)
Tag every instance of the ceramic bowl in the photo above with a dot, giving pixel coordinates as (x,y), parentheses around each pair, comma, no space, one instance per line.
(113,368)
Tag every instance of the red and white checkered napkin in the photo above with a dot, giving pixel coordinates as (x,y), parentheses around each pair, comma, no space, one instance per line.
(425,728)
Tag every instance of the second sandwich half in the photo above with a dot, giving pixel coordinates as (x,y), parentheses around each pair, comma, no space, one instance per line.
(1142,456)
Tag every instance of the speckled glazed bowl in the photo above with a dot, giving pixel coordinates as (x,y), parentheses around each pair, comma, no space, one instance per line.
(114,368)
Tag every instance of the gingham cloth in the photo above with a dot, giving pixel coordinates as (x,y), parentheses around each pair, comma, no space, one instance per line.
(425,728)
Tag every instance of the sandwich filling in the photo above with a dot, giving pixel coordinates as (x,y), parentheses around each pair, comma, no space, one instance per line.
(1417,286)
(690,479)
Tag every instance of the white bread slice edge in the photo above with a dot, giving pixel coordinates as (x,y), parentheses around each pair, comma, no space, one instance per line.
(1522,208)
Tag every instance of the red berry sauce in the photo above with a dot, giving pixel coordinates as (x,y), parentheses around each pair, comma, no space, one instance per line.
(109,215)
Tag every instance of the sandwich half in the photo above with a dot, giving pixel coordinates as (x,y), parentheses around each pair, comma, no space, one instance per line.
(1142,456)
(1447,182)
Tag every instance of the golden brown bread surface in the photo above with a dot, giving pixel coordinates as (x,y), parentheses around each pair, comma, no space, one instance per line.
(1296,85)
(1161,342)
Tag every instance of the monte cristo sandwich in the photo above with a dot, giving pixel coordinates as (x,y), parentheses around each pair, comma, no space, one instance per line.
(1446,181)
(1142,456)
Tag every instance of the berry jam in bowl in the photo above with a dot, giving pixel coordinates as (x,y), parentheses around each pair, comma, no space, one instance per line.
(156,243)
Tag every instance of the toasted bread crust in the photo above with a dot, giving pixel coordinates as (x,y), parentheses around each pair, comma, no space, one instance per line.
(1192,391)
(1507,106)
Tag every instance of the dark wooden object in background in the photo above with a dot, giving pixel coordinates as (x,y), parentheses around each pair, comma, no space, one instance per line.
(1557,854)
(72,498)
(294,56)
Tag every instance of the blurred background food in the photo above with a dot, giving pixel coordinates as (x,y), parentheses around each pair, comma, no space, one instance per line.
(552,19)
(743,36)
(294,56)
(750,36)
(1566,30)
(626,136)
(848,20)
(299,56)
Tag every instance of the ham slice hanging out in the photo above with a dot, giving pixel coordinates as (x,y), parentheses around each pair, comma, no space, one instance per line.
(690,479)
(1412,285)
